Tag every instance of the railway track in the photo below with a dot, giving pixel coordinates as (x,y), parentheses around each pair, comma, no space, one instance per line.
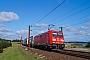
(80,54)
(62,54)
(75,53)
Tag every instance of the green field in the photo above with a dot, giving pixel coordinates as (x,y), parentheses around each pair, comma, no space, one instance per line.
(76,46)
(17,53)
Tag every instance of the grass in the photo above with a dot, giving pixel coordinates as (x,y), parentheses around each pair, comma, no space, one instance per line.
(76,46)
(17,53)
(86,48)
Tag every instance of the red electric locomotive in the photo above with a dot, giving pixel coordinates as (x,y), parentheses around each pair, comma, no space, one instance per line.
(51,39)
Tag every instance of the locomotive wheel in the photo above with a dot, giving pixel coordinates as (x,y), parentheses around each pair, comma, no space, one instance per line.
(49,48)
(62,48)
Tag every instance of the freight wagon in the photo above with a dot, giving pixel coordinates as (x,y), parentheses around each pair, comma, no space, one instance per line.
(25,42)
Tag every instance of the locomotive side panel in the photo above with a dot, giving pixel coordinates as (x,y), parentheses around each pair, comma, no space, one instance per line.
(42,39)
(50,37)
(50,40)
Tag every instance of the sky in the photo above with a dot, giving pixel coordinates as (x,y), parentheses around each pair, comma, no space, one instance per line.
(72,15)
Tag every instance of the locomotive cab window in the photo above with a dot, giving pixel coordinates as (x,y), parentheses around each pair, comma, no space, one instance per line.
(54,34)
(60,35)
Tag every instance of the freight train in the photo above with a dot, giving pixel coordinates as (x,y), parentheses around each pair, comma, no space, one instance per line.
(51,39)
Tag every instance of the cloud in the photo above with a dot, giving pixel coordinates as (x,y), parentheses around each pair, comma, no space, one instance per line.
(34,33)
(0,33)
(84,28)
(75,32)
(8,16)
(22,32)
(80,33)
(88,35)
(3,29)
(1,25)
(88,23)
(39,32)
(9,35)
(71,29)
(41,25)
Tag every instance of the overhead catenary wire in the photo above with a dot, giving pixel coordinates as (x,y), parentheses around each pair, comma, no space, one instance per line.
(39,28)
(72,15)
(80,18)
(81,22)
(72,10)
(50,11)
(67,12)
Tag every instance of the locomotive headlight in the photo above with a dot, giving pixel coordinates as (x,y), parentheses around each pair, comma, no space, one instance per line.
(53,42)
(54,39)
(62,40)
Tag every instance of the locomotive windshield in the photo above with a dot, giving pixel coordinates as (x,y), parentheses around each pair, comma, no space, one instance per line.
(57,34)
(60,35)
(54,34)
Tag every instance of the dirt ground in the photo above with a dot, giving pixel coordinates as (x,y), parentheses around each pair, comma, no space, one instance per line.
(53,55)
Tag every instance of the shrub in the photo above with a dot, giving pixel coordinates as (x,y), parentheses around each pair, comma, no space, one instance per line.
(4,44)
(10,44)
(1,47)
(88,45)
(74,46)
(1,50)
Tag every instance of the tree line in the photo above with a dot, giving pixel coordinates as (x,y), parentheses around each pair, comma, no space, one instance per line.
(16,40)
(4,44)
(88,45)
